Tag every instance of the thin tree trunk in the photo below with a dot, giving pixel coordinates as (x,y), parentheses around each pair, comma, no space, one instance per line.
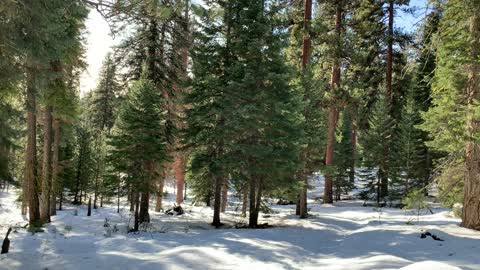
(471,205)
(224,196)
(253,215)
(302,203)
(132,199)
(24,196)
(136,200)
(245,201)
(89,210)
(389,100)
(56,145)
(179,167)
(354,149)
(30,156)
(332,110)
(47,166)
(161,183)
(61,198)
(118,197)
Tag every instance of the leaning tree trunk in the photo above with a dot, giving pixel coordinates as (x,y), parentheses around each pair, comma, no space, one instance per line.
(47,166)
(54,184)
(30,156)
(332,110)
(471,205)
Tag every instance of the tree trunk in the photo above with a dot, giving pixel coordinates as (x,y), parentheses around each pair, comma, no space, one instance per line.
(302,203)
(224,196)
(60,199)
(255,201)
(30,156)
(351,174)
(332,110)
(161,183)
(217,201)
(389,100)
(24,197)
(144,205)
(136,200)
(471,205)
(89,210)
(245,201)
(131,198)
(56,145)
(118,198)
(47,166)
(179,176)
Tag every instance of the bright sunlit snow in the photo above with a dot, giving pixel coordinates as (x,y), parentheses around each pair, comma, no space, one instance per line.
(343,236)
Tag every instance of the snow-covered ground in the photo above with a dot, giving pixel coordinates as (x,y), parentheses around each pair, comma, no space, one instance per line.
(344,235)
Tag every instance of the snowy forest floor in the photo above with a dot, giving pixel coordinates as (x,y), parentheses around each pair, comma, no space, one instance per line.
(344,235)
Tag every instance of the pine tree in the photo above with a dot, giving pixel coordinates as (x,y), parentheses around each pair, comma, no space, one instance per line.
(242,108)
(299,56)
(139,142)
(374,141)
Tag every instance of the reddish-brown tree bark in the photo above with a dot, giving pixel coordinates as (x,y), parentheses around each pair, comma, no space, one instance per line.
(332,110)
(471,204)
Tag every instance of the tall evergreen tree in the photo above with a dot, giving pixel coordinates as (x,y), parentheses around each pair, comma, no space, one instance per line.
(139,142)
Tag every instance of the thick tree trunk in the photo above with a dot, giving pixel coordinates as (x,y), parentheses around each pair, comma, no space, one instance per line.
(224,196)
(181,156)
(30,156)
(47,166)
(217,201)
(56,145)
(332,110)
(255,201)
(471,204)
(144,216)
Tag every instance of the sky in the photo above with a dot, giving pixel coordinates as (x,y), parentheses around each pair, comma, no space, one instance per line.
(99,40)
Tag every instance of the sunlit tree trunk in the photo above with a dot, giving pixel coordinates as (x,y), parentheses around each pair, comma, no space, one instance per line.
(332,110)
